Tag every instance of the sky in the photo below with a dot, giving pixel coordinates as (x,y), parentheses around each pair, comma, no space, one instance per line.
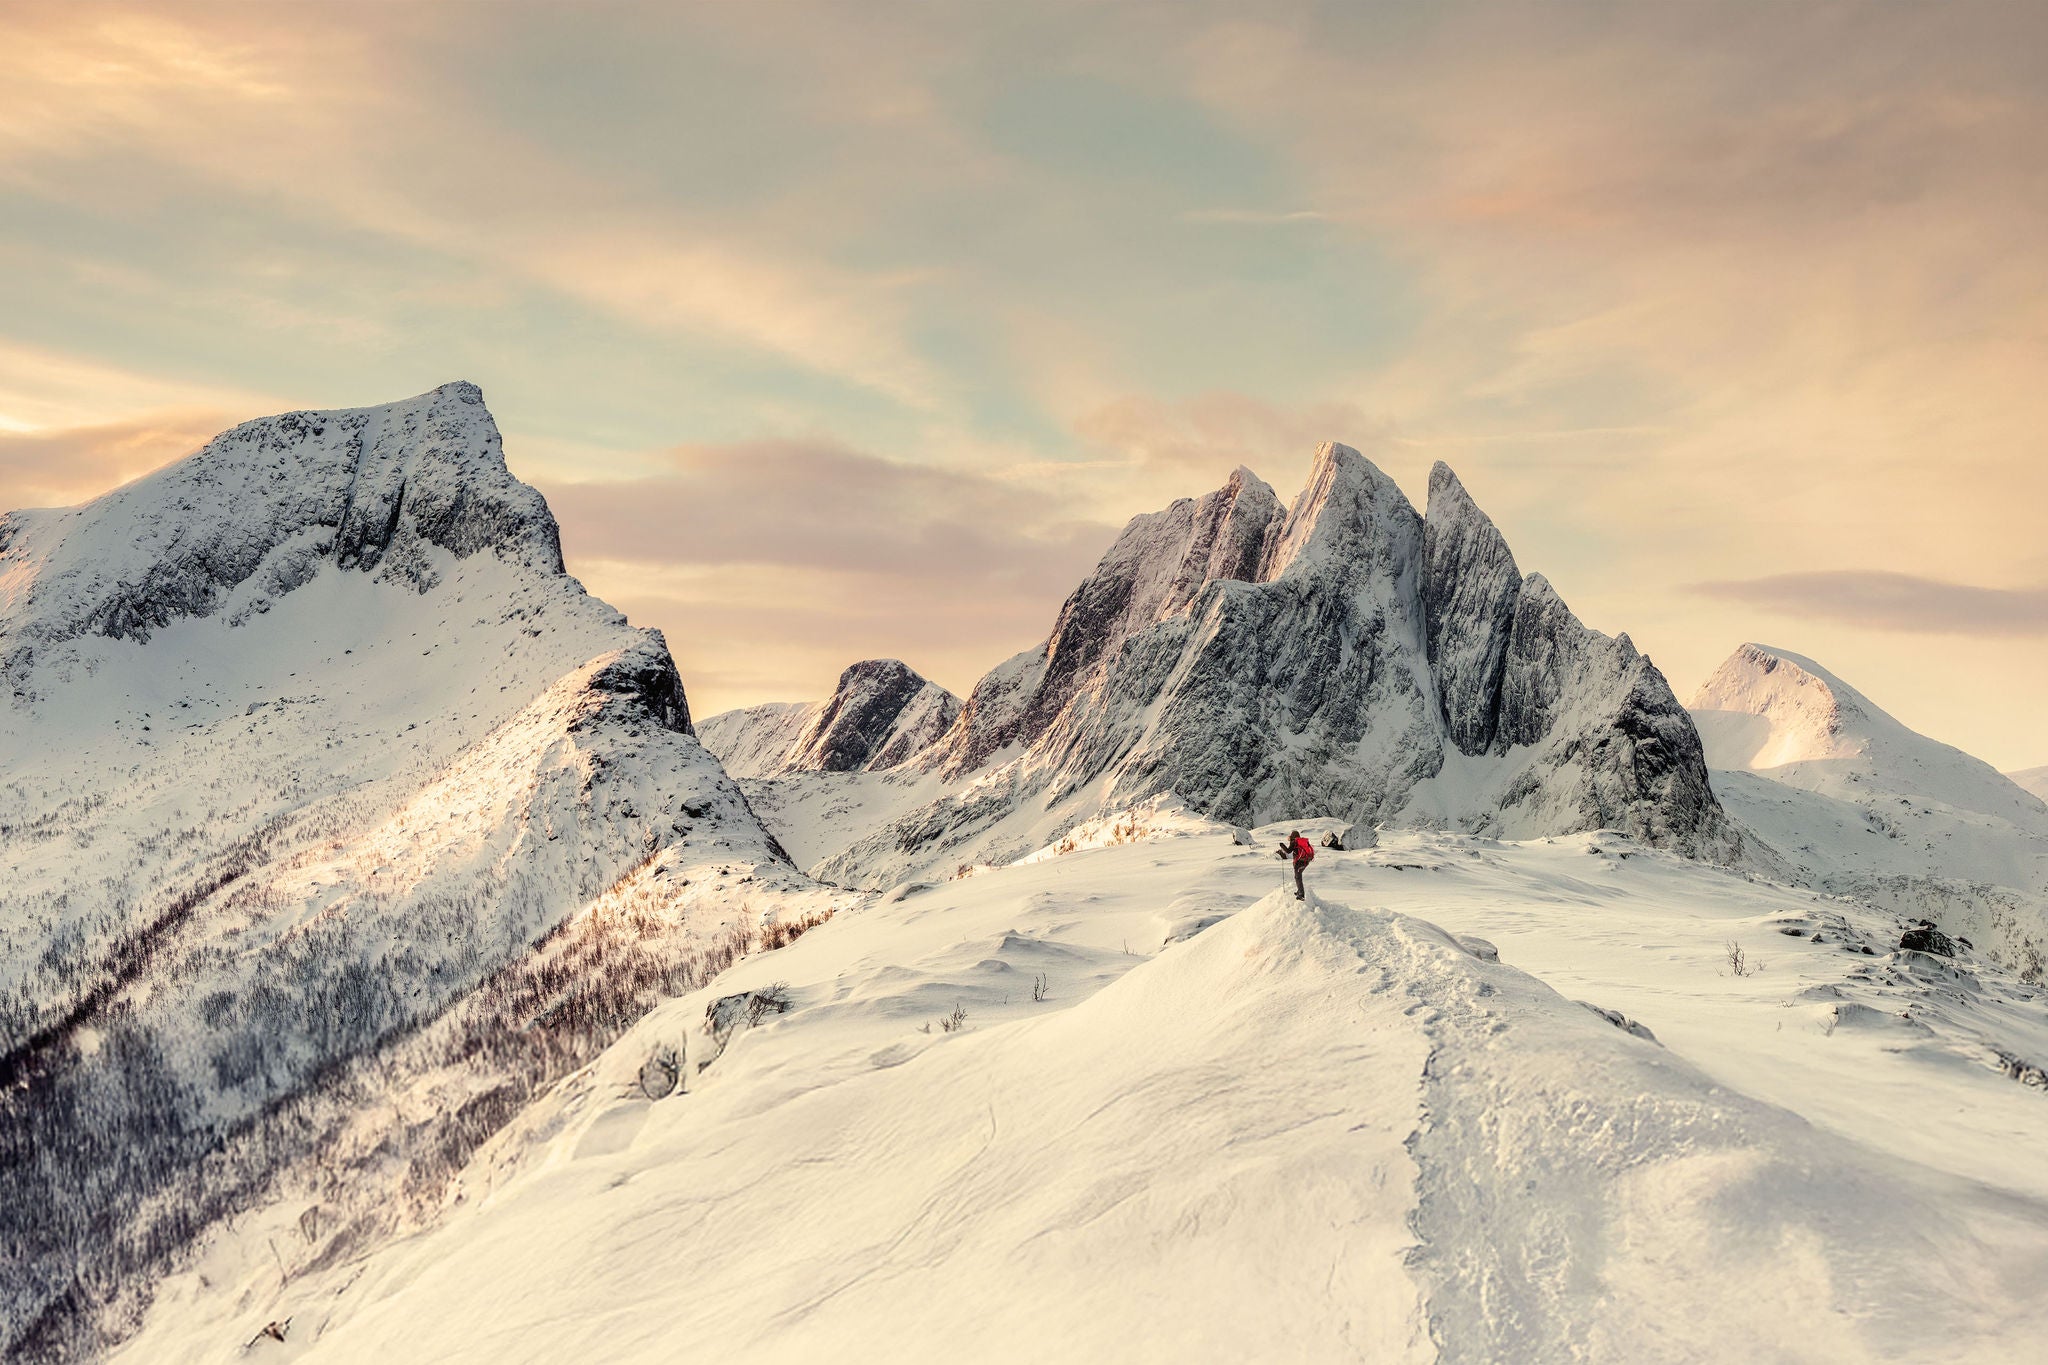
(837,331)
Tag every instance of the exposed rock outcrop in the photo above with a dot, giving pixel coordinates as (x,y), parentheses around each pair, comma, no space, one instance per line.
(880,714)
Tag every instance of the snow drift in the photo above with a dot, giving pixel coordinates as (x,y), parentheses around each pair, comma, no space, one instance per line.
(1314,1133)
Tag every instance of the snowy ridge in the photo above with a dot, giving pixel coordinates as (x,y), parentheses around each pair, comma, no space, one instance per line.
(1179,1116)
(2034,780)
(1770,709)
(1858,803)
(339,764)
(1343,656)
(880,714)
(254,515)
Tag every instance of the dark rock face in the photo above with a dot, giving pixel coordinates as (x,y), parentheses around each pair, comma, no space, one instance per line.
(1470,587)
(881,713)
(649,677)
(857,721)
(1332,659)
(1155,571)
(254,514)
(1925,938)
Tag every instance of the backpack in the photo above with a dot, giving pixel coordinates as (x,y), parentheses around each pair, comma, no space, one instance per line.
(1304,851)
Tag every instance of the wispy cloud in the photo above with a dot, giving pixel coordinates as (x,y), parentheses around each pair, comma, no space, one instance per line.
(788,559)
(1256,217)
(1880,600)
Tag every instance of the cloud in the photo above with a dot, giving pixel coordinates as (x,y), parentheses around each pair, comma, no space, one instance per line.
(773,564)
(311,117)
(815,504)
(62,467)
(1879,600)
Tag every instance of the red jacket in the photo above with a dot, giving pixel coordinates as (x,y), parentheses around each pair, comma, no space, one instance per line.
(1304,851)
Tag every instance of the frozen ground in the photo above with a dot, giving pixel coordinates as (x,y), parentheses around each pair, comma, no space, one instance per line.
(1235,1127)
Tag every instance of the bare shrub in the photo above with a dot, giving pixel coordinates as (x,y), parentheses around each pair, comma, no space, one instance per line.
(955,1021)
(1038,988)
(1740,963)
(782,933)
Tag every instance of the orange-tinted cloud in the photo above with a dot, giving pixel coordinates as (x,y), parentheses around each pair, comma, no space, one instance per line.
(61,467)
(772,565)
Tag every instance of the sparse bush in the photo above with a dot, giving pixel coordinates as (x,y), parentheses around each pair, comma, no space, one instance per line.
(955,1021)
(782,933)
(1740,963)
(1038,988)
(724,1016)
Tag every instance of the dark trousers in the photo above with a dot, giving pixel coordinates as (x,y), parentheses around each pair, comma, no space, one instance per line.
(1299,894)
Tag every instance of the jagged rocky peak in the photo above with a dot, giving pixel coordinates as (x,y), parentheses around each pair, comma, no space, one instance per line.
(1332,658)
(1470,586)
(1348,517)
(256,513)
(881,713)
(862,724)
(1159,564)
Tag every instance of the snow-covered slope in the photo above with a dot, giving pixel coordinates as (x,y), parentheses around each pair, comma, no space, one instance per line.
(880,714)
(310,741)
(2034,780)
(1857,802)
(1129,1104)
(1343,655)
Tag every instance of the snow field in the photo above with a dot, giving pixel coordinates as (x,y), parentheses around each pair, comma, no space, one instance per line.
(1321,1132)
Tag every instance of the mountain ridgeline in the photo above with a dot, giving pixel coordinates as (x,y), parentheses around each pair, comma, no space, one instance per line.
(321,784)
(1343,656)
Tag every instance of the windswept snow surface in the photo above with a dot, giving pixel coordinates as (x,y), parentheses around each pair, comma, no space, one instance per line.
(1184,1117)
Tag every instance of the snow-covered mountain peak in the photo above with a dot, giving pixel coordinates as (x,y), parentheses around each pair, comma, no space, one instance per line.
(1859,803)
(1349,511)
(1766,707)
(357,761)
(395,490)
(1259,663)
(1448,499)
(1470,588)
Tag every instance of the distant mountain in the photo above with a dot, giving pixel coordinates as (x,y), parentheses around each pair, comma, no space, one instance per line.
(2034,780)
(1861,804)
(1344,656)
(314,761)
(881,714)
